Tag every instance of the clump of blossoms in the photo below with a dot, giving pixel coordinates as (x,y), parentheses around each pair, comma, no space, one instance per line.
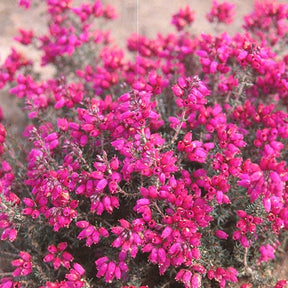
(166,170)
(221,12)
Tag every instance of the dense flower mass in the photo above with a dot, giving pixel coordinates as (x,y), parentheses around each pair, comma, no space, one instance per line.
(223,12)
(165,170)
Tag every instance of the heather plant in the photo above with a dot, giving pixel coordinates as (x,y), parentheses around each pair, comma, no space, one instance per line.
(165,170)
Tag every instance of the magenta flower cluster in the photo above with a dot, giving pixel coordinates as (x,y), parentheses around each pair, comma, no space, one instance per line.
(166,169)
(221,12)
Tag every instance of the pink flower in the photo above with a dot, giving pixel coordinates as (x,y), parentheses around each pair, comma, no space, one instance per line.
(221,234)
(132,286)
(23,264)
(91,233)
(189,279)
(75,276)
(25,3)
(223,12)
(25,37)
(267,253)
(109,269)
(281,284)
(246,285)
(109,12)
(9,228)
(58,256)
(184,17)
(8,282)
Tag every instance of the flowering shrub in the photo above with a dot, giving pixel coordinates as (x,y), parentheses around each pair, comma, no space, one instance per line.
(168,170)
